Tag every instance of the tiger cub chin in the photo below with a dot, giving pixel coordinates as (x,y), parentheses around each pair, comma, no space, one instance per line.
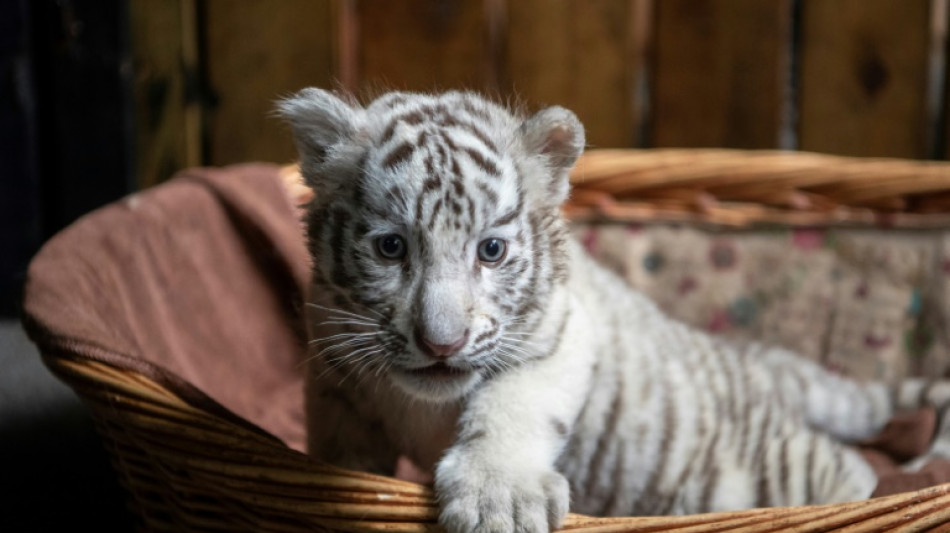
(455,322)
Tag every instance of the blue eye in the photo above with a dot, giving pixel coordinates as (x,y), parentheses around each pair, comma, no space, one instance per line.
(391,246)
(492,250)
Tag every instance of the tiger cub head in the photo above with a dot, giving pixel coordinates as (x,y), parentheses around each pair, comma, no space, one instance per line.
(436,228)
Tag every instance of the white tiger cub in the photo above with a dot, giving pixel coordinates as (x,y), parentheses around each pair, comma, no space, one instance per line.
(456,323)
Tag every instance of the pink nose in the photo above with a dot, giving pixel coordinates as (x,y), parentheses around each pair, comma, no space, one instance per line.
(440,350)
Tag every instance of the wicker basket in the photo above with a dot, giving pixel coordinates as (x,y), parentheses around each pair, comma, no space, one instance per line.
(745,189)
(191,467)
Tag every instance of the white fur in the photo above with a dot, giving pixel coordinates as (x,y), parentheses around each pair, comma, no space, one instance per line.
(587,394)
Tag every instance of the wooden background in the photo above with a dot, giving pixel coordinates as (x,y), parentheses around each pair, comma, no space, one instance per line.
(854,77)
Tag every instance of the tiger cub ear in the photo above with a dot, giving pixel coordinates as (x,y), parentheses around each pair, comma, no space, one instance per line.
(557,136)
(324,127)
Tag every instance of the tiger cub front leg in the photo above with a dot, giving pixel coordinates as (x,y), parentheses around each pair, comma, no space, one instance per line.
(500,474)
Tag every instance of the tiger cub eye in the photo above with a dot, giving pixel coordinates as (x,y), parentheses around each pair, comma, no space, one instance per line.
(391,246)
(492,250)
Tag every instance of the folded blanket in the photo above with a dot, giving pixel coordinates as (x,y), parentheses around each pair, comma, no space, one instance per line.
(197,284)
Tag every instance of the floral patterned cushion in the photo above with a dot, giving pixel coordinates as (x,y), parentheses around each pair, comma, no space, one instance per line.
(867,303)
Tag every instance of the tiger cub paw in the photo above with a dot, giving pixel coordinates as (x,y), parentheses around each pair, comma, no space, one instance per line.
(481,498)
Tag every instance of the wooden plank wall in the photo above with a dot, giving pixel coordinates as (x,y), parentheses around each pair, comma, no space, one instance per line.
(865,77)
(167,109)
(721,73)
(586,56)
(256,51)
(856,77)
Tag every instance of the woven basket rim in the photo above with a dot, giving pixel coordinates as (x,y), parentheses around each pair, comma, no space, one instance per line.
(758,188)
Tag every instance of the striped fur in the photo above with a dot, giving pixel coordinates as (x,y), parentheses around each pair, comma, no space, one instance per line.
(568,385)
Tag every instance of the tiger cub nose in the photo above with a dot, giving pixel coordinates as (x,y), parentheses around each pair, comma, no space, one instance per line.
(440,350)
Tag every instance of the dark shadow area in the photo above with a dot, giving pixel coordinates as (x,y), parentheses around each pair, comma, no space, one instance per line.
(54,473)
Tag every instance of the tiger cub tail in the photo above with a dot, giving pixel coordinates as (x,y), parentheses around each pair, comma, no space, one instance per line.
(915,393)
(852,410)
